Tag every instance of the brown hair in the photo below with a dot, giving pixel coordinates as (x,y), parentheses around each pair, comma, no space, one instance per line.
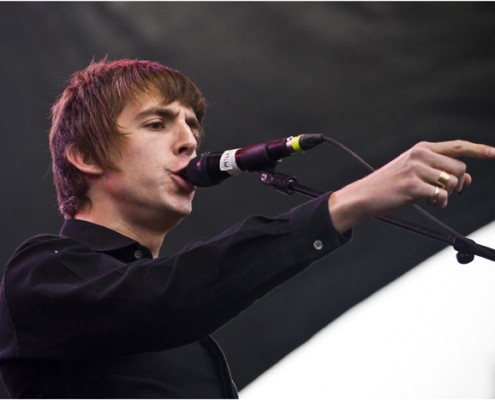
(85,116)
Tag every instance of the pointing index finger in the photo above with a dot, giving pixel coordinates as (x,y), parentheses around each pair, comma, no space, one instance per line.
(463,148)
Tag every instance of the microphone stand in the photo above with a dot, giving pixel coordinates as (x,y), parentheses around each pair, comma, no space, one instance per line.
(466,248)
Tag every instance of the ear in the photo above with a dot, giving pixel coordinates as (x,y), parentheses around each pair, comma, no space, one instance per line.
(82,162)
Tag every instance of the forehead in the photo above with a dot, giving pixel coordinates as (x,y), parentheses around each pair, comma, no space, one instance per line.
(146,105)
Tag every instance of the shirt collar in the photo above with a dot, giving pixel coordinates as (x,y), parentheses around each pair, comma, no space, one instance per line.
(98,237)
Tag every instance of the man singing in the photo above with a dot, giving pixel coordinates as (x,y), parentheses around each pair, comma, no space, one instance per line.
(96,312)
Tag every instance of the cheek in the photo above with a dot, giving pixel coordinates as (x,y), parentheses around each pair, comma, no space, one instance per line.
(143,156)
(145,161)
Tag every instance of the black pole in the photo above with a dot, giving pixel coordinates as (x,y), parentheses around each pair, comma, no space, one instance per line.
(465,247)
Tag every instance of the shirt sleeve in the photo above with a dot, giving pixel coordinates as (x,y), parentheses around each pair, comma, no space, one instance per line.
(65,300)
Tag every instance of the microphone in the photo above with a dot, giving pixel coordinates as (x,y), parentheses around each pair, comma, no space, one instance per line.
(212,168)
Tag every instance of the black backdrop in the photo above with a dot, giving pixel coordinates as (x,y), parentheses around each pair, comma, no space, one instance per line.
(376,76)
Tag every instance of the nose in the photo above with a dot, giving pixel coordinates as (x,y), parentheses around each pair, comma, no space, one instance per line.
(186,143)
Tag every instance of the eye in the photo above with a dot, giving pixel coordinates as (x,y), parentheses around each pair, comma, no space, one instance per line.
(155,125)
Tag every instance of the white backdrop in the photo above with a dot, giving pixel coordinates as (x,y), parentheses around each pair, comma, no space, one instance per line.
(429,334)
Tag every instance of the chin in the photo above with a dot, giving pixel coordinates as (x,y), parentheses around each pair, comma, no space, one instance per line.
(174,210)
(182,210)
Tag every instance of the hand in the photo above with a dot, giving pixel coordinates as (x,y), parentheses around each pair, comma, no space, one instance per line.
(413,176)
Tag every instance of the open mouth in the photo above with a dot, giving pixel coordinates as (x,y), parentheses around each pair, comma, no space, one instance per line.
(180,178)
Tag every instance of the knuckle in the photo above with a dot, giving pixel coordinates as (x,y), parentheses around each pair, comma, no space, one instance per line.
(419,151)
(460,169)
(423,143)
(453,181)
(458,144)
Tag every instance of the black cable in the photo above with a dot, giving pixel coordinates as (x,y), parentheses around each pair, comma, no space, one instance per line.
(415,206)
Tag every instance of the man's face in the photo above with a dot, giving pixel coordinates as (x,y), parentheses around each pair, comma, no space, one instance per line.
(160,141)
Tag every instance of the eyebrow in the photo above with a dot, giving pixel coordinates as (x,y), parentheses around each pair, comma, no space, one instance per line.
(160,111)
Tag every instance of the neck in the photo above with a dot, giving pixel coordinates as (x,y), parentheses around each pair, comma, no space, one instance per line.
(149,234)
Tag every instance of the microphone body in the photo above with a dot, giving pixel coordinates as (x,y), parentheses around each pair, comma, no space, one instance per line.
(212,168)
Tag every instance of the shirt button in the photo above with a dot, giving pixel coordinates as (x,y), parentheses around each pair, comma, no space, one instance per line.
(138,254)
(318,244)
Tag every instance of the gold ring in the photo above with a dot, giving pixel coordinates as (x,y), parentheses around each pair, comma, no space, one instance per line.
(433,199)
(443,179)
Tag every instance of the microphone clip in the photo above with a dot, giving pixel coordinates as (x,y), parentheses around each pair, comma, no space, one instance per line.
(286,184)
(281,182)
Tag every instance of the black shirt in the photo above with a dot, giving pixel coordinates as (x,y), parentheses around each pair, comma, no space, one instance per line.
(89,314)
